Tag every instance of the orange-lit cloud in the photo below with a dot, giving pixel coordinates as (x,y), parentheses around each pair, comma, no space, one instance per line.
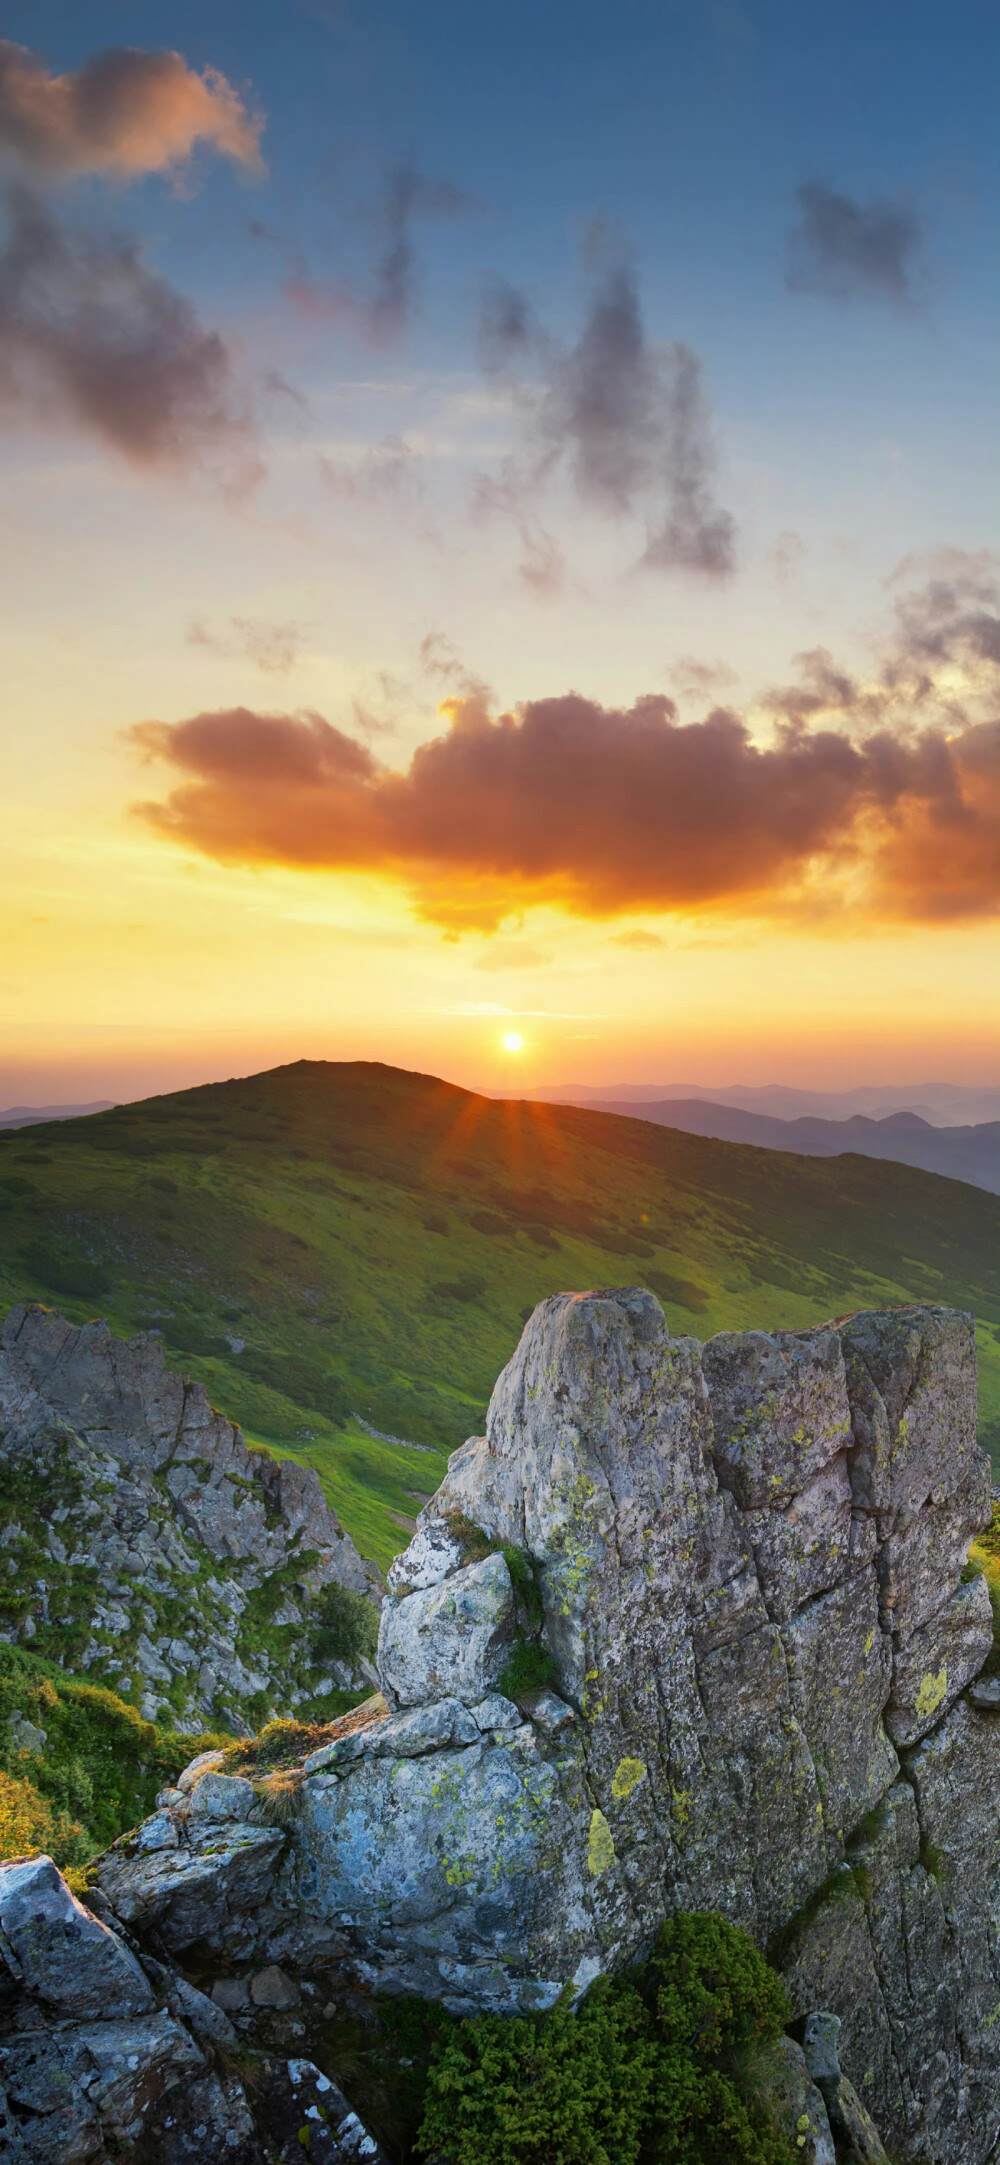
(597,810)
(868,802)
(125,112)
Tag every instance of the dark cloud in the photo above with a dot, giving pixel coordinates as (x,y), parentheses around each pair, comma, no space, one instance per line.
(124,112)
(507,328)
(273,648)
(626,418)
(851,250)
(604,810)
(89,332)
(378,308)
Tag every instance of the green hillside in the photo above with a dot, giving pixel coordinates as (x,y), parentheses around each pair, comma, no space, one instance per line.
(327,1242)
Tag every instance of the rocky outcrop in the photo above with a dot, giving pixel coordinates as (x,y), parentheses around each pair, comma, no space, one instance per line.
(141,1540)
(743,1565)
(107,2051)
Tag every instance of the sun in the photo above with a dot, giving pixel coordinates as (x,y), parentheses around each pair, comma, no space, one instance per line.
(512,1042)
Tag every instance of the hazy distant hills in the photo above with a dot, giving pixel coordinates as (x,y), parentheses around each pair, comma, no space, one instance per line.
(941,1104)
(26,1116)
(960,1153)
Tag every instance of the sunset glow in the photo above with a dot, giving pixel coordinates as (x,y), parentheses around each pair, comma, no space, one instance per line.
(375,671)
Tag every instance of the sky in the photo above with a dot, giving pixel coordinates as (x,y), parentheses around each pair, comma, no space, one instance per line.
(499,543)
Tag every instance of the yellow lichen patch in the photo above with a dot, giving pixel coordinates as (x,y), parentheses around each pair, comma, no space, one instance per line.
(600,1847)
(681,1805)
(931,1693)
(628,1774)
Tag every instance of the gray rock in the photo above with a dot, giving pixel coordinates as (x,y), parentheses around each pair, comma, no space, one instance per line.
(546,1710)
(936,1663)
(800,2114)
(232,1994)
(495,1712)
(271,1988)
(984,1694)
(203,1763)
(58,1949)
(221,1797)
(86,1415)
(748,1558)
(779,1411)
(450,1641)
(190,1893)
(433,1555)
(27,1737)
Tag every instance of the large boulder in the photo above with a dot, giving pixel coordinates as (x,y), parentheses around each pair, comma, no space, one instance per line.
(736,1572)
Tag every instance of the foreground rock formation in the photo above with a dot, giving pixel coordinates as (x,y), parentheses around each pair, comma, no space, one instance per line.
(744,1563)
(140,1539)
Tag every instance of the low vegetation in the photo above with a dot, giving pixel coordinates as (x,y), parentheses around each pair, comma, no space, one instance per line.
(78,1766)
(341,1249)
(672,2064)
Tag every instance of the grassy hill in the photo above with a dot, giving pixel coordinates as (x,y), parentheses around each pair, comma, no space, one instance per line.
(329,1246)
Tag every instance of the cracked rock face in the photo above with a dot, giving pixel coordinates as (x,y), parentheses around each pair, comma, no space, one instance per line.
(126,1468)
(745,1569)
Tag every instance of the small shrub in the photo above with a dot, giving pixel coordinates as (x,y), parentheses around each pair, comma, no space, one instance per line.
(29,1827)
(347,1626)
(718,2008)
(561,2089)
(529,1667)
(280,1795)
(490,1221)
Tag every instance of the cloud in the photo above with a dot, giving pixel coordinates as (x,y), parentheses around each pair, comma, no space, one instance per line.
(388,469)
(380,313)
(89,333)
(626,418)
(851,251)
(640,942)
(507,328)
(512,955)
(273,648)
(702,679)
(601,810)
(125,112)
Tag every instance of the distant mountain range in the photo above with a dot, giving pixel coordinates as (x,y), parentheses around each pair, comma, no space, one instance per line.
(25,1116)
(941,1104)
(960,1153)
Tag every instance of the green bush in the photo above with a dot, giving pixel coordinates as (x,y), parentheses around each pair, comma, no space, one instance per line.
(565,2089)
(717,2008)
(668,2066)
(347,1626)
